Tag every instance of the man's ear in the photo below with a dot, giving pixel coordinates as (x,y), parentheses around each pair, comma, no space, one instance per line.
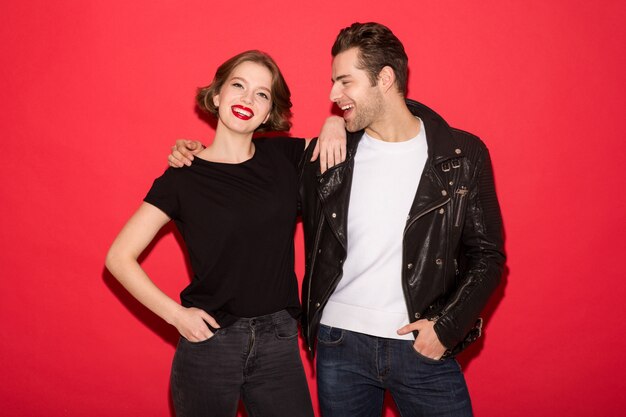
(386,78)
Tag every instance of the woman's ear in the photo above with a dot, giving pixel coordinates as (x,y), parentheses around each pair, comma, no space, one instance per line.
(216,100)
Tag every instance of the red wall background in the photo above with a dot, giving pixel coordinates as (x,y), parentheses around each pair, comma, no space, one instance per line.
(95,92)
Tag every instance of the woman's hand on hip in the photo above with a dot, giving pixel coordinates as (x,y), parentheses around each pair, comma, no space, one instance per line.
(191,323)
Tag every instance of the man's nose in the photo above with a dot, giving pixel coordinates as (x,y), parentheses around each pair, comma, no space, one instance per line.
(335,92)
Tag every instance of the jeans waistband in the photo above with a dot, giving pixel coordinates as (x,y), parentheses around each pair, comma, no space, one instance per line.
(261,321)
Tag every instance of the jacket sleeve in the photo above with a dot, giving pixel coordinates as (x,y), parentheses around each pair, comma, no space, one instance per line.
(483,259)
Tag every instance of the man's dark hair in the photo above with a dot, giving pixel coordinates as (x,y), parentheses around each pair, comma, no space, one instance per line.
(378,47)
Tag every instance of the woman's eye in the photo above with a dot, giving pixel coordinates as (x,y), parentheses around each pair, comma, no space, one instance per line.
(265,96)
(237,85)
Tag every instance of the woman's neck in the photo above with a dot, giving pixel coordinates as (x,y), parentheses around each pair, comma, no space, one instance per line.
(229,147)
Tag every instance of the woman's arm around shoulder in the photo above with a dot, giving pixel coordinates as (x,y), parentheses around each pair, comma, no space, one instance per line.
(331,144)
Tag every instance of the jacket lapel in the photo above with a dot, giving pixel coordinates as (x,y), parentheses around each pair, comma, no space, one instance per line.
(432,191)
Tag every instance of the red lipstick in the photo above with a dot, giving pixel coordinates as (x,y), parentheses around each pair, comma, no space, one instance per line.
(241,112)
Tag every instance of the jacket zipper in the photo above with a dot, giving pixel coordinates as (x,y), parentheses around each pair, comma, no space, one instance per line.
(462,192)
(422,214)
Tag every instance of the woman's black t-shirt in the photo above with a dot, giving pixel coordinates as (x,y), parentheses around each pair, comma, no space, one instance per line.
(237,221)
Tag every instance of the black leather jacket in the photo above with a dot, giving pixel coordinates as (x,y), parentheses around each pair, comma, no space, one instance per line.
(453,246)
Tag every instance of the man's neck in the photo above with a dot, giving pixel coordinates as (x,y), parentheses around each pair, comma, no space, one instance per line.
(396,124)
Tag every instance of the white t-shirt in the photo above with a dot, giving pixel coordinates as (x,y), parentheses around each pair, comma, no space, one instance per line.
(369,298)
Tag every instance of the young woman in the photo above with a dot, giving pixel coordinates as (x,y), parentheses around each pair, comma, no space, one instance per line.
(235,207)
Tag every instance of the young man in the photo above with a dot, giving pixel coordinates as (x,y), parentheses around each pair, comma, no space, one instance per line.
(403,242)
(410,223)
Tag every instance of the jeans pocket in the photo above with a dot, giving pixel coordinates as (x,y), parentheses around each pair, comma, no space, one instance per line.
(286,329)
(329,336)
(202,342)
(426,359)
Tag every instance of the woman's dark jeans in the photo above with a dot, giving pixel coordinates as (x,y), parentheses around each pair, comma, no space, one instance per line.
(256,359)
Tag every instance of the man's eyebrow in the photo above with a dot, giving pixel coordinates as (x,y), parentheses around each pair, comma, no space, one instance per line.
(340,77)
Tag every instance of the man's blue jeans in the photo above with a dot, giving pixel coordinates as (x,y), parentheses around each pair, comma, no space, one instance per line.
(354,370)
